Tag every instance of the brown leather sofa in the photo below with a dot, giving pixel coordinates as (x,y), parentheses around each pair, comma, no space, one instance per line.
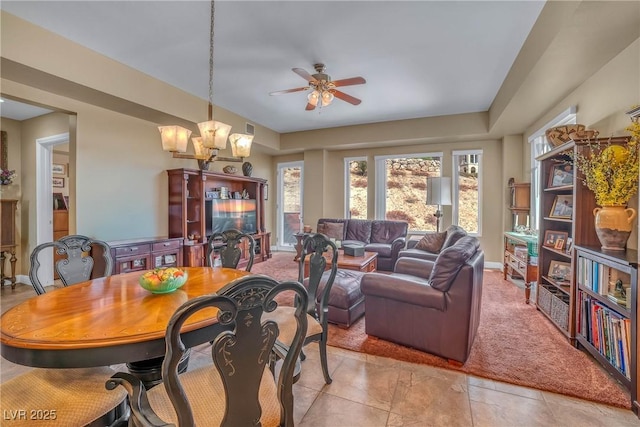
(431,306)
(385,237)
(453,234)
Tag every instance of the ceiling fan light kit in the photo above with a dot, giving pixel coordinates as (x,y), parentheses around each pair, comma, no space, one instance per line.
(213,134)
(323,88)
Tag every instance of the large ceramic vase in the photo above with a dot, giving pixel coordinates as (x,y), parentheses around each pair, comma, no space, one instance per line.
(613,226)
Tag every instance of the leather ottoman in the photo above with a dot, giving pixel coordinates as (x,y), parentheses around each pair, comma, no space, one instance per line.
(346,302)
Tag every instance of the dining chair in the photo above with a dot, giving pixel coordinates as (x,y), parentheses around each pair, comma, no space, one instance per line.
(239,388)
(66,396)
(318,248)
(226,245)
(77,263)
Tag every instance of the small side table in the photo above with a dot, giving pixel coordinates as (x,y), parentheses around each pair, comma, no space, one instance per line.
(521,258)
(299,239)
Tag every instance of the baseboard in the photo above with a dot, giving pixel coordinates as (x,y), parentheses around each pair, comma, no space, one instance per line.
(493,265)
(20,278)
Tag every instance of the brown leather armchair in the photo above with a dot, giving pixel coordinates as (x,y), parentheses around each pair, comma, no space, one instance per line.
(431,306)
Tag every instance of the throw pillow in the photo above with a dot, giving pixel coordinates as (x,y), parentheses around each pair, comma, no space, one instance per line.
(334,230)
(431,242)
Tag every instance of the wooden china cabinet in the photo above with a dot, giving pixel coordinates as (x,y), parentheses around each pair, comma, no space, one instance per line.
(201,202)
(8,241)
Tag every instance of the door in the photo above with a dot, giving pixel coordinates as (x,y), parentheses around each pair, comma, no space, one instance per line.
(289,205)
(44,201)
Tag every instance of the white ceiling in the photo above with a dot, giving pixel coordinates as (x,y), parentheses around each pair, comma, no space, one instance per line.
(420,58)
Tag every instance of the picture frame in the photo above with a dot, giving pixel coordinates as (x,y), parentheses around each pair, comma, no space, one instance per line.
(560,175)
(551,238)
(58,169)
(266,191)
(562,207)
(57,182)
(59,202)
(559,271)
(559,244)
(568,245)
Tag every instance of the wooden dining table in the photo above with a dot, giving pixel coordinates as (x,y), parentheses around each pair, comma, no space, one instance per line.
(106,321)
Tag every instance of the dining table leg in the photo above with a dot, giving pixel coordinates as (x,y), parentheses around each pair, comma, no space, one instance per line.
(150,371)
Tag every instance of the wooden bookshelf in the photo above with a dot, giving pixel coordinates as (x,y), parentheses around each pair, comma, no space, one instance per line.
(189,189)
(606,323)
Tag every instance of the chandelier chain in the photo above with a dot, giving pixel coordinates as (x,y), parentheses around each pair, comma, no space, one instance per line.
(211,33)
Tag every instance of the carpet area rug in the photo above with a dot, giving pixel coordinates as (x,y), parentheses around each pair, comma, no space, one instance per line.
(515,343)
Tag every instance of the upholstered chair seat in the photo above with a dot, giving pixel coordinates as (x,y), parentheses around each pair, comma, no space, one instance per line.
(77,396)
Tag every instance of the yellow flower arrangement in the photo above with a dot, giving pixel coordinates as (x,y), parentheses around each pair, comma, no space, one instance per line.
(611,171)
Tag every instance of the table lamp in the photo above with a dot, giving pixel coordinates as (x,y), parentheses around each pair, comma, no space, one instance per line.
(438,193)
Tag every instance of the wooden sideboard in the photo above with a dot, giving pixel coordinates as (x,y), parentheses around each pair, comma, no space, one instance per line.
(8,240)
(141,254)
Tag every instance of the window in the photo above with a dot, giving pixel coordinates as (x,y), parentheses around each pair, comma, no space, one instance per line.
(467,185)
(540,146)
(356,183)
(401,184)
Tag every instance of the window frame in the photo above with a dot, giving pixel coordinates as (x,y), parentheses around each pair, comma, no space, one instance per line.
(347,183)
(455,196)
(380,180)
(538,140)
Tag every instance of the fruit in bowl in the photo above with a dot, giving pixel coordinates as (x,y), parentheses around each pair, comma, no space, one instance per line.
(163,280)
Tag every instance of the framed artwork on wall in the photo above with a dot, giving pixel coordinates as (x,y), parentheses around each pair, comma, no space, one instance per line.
(57,182)
(58,169)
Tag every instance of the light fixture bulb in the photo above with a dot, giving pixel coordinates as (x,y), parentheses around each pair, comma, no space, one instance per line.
(313,97)
(327,97)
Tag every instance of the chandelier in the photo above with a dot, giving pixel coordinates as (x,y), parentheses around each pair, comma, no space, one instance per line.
(213,134)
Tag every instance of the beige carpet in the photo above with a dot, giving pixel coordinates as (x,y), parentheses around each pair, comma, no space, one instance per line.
(515,344)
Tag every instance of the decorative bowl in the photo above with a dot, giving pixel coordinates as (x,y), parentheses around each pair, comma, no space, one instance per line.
(584,134)
(230,169)
(163,280)
(561,134)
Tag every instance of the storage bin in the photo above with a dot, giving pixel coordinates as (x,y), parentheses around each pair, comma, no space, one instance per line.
(560,310)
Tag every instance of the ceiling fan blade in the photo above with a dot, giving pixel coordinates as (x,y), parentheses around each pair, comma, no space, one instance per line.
(350,99)
(302,73)
(349,82)
(282,92)
(310,107)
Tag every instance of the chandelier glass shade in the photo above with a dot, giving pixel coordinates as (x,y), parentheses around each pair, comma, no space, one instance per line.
(241,144)
(174,138)
(214,134)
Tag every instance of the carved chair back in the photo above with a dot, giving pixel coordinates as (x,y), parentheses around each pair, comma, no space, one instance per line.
(77,264)
(226,244)
(318,248)
(241,351)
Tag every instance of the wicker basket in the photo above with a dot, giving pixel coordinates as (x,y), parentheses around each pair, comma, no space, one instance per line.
(544,298)
(560,310)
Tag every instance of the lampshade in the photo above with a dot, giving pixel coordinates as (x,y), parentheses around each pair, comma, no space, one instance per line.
(199,148)
(327,97)
(241,144)
(174,138)
(214,134)
(313,97)
(438,191)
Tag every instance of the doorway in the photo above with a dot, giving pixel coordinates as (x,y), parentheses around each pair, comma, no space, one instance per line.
(44,201)
(289,204)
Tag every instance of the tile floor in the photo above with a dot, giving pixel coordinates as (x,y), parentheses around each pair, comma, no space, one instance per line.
(375,391)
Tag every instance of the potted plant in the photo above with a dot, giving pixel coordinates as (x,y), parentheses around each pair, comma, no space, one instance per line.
(611,172)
